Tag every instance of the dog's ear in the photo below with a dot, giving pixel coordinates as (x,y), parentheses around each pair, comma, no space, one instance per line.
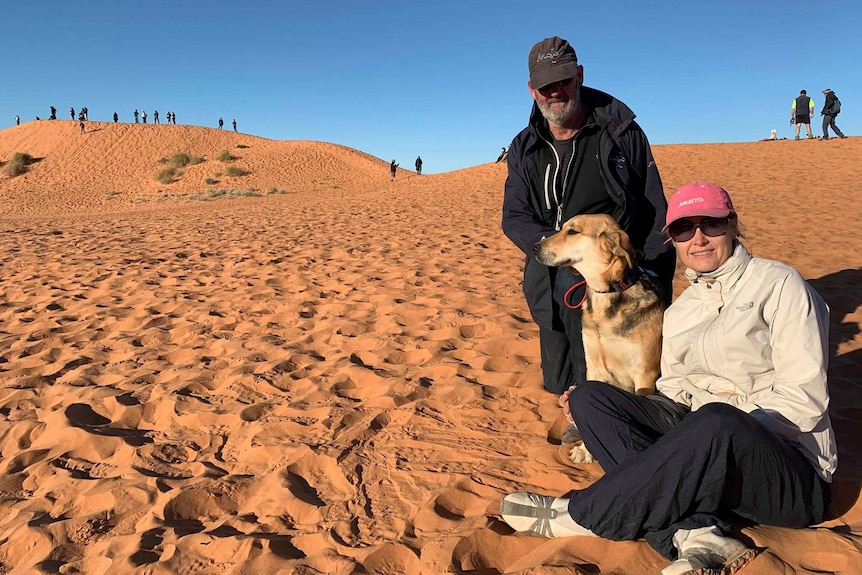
(620,246)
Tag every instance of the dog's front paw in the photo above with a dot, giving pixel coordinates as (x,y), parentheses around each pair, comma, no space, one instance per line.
(579,454)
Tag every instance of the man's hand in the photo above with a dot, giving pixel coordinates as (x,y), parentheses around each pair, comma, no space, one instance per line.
(564,403)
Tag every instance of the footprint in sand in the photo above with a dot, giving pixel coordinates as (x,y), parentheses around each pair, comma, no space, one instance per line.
(83,469)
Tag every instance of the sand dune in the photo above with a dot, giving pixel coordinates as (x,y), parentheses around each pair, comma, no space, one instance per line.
(339,379)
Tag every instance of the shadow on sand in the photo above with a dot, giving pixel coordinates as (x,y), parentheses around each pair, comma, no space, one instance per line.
(843,292)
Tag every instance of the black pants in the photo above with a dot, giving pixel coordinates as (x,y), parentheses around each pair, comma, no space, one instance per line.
(563,361)
(667,469)
(829,122)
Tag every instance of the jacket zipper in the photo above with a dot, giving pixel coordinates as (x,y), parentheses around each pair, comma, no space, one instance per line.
(558,220)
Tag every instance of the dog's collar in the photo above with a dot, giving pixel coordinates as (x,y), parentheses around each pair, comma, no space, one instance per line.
(628,281)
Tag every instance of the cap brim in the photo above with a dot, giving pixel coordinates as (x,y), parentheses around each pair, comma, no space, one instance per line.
(716,213)
(542,78)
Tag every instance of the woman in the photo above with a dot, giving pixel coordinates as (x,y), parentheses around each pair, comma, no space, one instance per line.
(739,427)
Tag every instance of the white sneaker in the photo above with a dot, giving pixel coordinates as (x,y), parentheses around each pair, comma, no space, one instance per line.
(706,551)
(541,515)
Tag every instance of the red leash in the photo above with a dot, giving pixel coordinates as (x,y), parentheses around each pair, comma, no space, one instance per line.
(570,290)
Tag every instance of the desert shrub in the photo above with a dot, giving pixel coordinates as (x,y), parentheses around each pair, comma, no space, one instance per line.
(226,156)
(213,194)
(181,160)
(234,171)
(110,195)
(241,146)
(167,175)
(13,169)
(274,190)
(243,193)
(210,181)
(18,164)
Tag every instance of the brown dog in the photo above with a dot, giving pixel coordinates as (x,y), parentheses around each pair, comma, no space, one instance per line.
(622,310)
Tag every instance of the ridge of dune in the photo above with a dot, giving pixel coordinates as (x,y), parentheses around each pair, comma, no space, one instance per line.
(74,172)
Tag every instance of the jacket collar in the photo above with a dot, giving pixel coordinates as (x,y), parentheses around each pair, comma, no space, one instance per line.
(727,274)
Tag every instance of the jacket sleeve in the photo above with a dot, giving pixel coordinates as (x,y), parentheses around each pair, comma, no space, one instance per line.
(671,381)
(799,337)
(521,223)
(659,255)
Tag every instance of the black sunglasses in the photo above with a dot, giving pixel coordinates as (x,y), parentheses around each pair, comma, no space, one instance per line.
(683,230)
(556,85)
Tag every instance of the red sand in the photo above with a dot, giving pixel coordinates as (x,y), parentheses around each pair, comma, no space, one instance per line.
(339,379)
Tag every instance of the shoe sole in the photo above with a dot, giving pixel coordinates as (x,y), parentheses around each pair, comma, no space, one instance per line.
(739,560)
(731,565)
(533,519)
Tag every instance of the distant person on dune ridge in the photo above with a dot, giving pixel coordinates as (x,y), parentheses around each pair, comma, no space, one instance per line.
(220,123)
(116,118)
(144,116)
(234,124)
(830,111)
(53,115)
(418,165)
(801,112)
(82,125)
(156,117)
(17,120)
(502,156)
(582,152)
(392,167)
(72,112)
(136,116)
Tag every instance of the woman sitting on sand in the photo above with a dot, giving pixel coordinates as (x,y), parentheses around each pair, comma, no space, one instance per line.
(739,426)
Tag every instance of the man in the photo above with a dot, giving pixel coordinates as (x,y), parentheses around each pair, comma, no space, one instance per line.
(831,109)
(418,165)
(801,112)
(582,152)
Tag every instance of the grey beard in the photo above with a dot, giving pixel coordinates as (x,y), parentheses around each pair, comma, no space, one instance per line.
(559,116)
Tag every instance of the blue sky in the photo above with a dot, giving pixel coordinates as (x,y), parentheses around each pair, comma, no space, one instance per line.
(444,79)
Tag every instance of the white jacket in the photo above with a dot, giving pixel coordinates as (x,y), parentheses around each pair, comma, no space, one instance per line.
(755,335)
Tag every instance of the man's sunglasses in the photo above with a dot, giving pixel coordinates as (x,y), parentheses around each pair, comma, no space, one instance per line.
(556,85)
(682,230)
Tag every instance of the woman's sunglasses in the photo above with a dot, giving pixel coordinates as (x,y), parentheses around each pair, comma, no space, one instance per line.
(682,230)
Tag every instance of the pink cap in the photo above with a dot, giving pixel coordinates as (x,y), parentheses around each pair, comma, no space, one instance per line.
(698,199)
